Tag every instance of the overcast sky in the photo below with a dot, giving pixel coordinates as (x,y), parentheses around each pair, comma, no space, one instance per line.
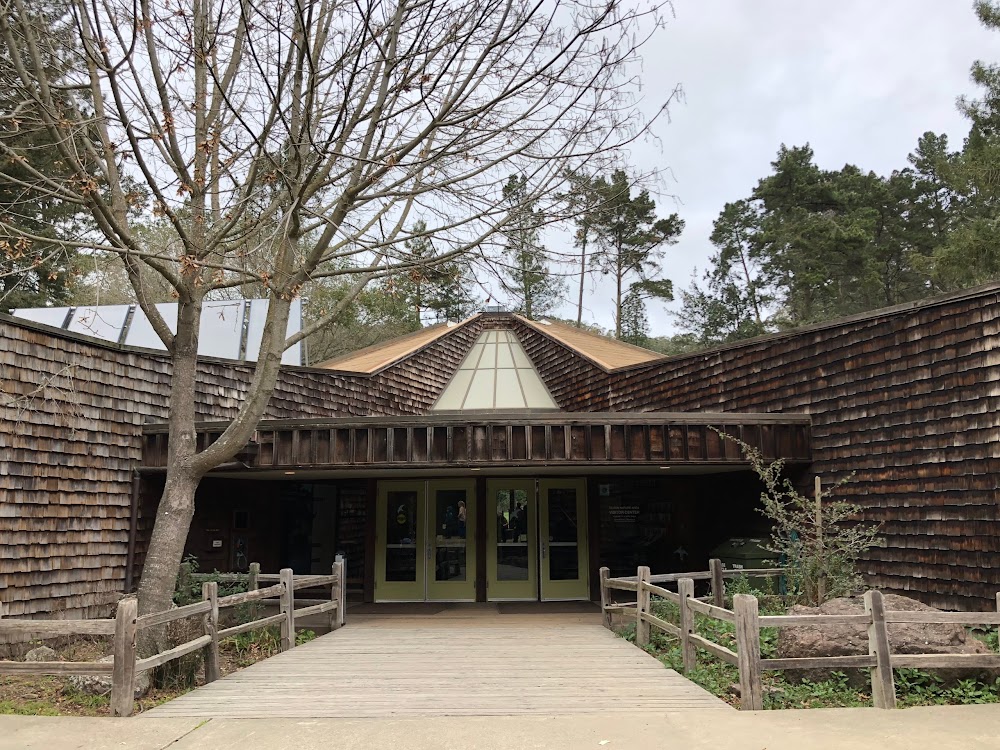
(859,80)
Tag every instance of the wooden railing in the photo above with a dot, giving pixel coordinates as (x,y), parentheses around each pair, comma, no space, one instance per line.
(127,623)
(745,617)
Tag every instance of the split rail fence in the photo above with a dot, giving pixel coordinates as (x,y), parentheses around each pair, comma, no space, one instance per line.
(747,622)
(128,623)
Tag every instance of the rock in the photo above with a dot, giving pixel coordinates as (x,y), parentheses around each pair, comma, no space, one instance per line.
(100,684)
(852,640)
(42,653)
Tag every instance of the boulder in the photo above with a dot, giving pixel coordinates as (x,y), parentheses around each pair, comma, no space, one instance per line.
(852,640)
(42,653)
(100,684)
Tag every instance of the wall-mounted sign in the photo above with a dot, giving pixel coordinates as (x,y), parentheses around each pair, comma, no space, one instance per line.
(216,543)
(624,513)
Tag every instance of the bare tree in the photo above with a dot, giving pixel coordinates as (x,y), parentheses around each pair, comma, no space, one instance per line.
(281,142)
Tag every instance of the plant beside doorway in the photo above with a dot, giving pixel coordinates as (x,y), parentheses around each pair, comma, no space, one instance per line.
(818,539)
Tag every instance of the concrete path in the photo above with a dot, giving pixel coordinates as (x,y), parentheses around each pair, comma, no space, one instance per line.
(939,727)
(472,664)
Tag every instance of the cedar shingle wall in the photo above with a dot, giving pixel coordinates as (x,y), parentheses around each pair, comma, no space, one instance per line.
(71,414)
(908,401)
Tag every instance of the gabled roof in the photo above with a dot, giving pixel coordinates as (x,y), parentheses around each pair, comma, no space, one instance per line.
(607,353)
(375,357)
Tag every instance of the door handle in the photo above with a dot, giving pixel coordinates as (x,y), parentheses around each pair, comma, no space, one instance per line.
(544,545)
(428,552)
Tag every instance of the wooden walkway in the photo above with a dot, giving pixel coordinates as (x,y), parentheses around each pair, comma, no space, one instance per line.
(496,665)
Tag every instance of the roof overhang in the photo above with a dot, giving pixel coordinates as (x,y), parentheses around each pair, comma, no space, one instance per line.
(521,440)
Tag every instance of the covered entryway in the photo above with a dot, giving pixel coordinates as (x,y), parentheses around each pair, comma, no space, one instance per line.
(430,542)
(467,660)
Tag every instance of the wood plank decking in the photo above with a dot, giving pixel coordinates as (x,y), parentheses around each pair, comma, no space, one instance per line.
(453,666)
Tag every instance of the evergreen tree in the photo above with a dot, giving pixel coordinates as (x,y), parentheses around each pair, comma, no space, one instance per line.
(526,276)
(634,323)
(433,289)
(629,239)
(34,272)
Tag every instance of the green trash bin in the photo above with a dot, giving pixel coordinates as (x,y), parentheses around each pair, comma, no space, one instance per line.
(741,553)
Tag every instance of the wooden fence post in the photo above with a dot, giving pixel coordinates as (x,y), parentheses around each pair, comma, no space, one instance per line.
(642,601)
(253,583)
(337,595)
(718,582)
(287,609)
(210,593)
(123,670)
(342,602)
(883,686)
(748,652)
(605,598)
(685,587)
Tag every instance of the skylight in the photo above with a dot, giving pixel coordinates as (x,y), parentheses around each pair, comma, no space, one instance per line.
(495,374)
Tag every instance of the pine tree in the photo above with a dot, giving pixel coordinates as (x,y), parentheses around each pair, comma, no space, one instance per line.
(629,239)
(526,276)
(34,272)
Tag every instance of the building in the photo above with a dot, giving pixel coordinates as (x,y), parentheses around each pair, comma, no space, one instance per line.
(508,459)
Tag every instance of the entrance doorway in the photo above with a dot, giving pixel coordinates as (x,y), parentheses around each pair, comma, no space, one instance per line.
(425,541)
(536,540)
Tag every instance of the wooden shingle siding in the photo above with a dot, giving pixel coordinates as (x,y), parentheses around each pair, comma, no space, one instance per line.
(71,416)
(907,400)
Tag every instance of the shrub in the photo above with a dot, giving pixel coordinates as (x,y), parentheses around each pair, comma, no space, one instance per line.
(820,547)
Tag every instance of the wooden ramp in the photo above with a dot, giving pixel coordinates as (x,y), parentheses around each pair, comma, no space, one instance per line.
(499,665)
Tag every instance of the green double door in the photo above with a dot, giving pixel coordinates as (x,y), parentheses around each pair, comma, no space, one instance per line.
(425,541)
(537,540)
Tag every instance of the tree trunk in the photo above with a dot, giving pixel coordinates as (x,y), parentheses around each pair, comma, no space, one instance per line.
(583,275)
(166,545)
(618,304)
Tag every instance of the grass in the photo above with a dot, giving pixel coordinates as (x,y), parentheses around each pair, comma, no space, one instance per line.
(913,687)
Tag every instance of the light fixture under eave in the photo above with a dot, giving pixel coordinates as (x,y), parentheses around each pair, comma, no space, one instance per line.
(664,467)
(289,473)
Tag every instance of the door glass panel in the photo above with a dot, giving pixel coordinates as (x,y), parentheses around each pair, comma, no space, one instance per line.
(564,535)
(450,515)
(512,535)
(401,536)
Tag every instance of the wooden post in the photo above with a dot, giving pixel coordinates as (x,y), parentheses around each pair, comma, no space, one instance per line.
(821,582)
(605,598)
(883,686)
(685,587)
(342,603)
(337,593)
(998,610)
(642,600)
(253,583)
(287,609)
(748,652)
(123,674)
(718,582)
(210,593)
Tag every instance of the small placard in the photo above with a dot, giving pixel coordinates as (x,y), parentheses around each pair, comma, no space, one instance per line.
(216,543)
